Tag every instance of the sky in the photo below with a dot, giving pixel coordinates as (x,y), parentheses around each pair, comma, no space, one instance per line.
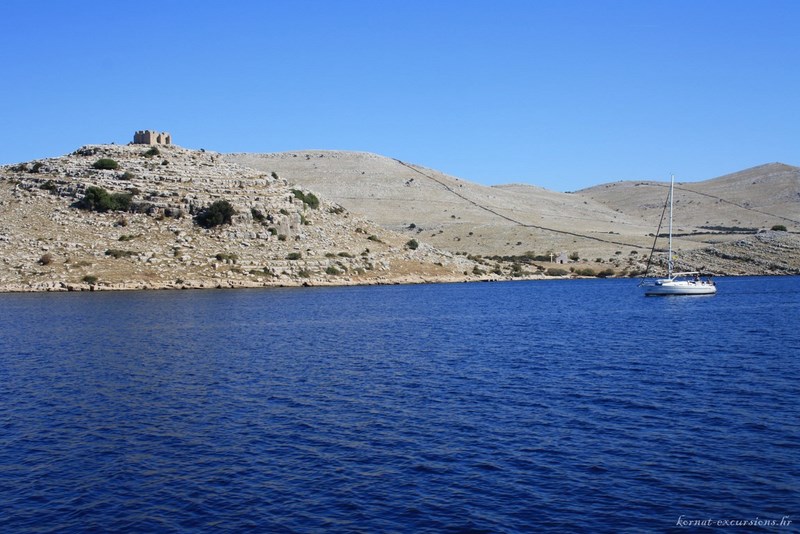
(561,94)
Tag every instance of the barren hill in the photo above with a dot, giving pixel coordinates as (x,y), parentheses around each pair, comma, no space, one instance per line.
(609,225)
(327,217)
(278,235)
(756,198)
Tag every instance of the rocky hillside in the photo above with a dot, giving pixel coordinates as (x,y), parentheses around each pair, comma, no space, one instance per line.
(129,217)
(722,224)
(52,237)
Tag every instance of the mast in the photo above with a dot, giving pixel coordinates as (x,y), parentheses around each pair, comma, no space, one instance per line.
(669,259)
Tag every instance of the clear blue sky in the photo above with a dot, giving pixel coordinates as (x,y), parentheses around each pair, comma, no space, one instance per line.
(560,94)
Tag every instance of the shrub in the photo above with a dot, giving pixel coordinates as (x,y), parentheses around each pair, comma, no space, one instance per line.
(574,256)
(36,167)
(153,151)
(90,279)
(412,244)
(333,271)
(257,214)
(106,164)
(117,253)
(220,212)
(778,228)
(294,256)
(553,271)
(308,199)
(98,199)
(46,259)
(49,185)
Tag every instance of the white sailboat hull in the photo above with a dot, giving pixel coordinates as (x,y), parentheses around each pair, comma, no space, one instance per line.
(680,287)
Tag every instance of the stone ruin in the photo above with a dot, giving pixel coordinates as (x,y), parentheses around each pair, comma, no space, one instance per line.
(150,137)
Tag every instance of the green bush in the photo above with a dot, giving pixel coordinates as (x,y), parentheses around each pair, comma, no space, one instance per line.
(90,279)
(117,253)
(778,228)
(49,185)
(257,214)
(309,199)
(153,151)
(412,244)
(294,256)
(106,164)
(553,271)
(333,271)
(220,212)
(98,199)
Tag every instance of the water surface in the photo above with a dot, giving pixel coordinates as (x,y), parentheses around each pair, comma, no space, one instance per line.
(499,407)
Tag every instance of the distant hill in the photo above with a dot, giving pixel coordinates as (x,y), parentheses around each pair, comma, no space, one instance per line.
(760,198)
(607,225)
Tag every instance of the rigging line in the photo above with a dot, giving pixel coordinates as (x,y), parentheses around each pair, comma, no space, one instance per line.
(655,239)
(525,225)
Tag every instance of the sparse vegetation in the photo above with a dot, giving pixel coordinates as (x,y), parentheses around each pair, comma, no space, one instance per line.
(90,279)
(333,271)
(778,228)
(554,271)
(106,164)
(117,253)
(218,213)
(49,185)
(292,256)
(308,199)
(412,244)
(46,259)
(153,151)
(257,214)
(100,200)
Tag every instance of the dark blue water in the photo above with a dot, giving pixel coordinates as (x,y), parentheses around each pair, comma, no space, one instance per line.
(576,406)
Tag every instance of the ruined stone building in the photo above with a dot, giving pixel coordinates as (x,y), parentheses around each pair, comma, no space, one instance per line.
(150,137)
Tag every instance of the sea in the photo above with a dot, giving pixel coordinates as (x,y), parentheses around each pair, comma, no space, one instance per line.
(526,406)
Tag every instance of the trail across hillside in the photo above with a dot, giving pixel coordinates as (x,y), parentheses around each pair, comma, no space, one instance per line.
(510,219)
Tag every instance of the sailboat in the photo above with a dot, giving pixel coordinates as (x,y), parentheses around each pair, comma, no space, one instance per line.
(684,283)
